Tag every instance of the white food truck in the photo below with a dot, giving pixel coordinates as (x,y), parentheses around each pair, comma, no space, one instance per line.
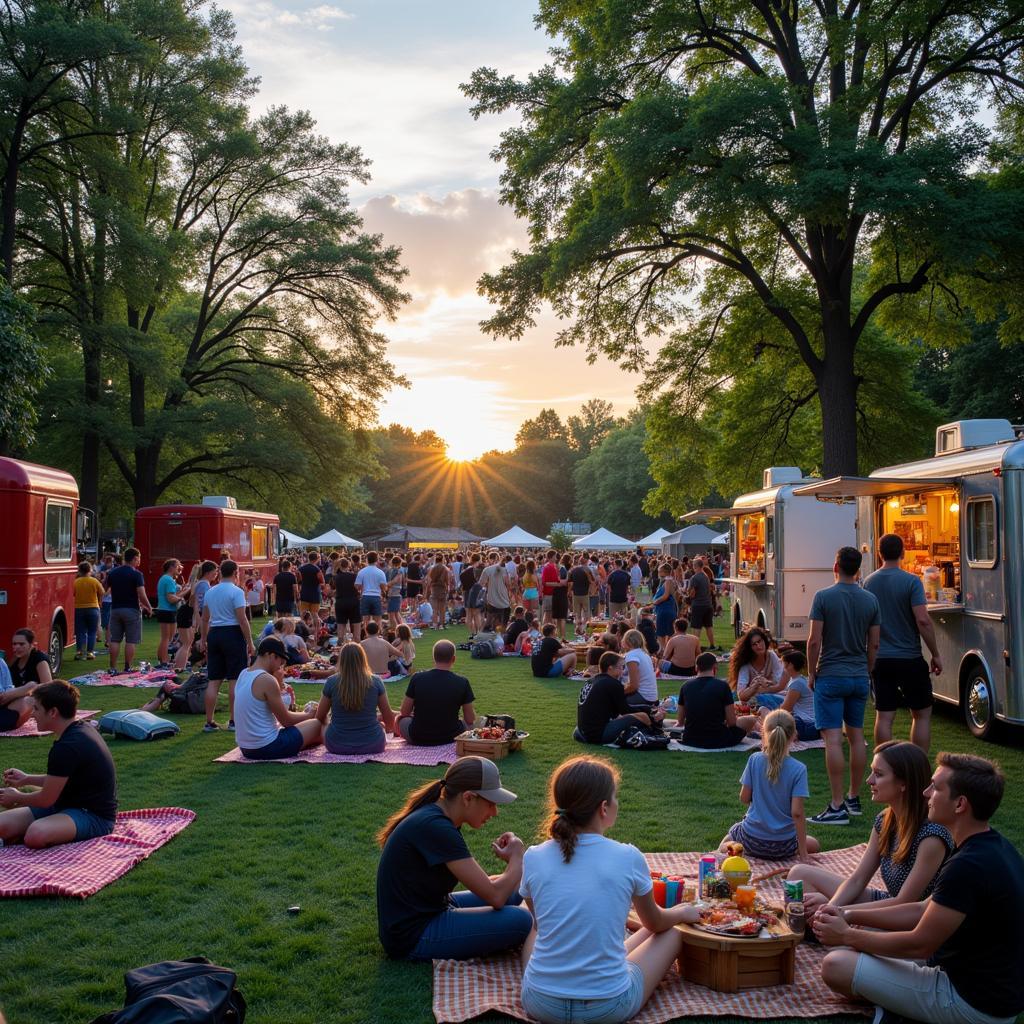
(961,517)
(782,547)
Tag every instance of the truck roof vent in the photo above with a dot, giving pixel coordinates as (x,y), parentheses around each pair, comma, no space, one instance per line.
(776,476)
(219,501)
(963,435)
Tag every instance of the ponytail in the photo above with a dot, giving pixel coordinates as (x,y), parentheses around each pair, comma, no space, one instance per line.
(779,729)
(578,788)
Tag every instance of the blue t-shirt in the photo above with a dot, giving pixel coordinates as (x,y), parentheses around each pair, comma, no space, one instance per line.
(846,613)
(353,728)
(124,582)
(166,585)
(770,815)
(897,592)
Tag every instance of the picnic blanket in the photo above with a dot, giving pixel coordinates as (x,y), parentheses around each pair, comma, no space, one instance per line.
(154,677)
(81,869)
(30,729)
(464,989)
(396,752)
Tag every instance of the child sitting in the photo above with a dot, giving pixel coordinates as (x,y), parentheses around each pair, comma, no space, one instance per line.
(797,697)
(774,785)
(406,646)
(424,615)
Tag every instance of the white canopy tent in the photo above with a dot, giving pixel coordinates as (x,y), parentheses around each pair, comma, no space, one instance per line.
(515,537)
(721,540)
(293,540)
(653,540)
(603,540)
(337,539)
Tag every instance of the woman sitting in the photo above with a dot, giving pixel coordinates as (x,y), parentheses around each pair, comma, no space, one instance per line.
(580,886)
(601,645)
(681,652)
(907,847)
(754,668)
(639,678)
(424,857)
(352,698)
(284,630)
(404,642)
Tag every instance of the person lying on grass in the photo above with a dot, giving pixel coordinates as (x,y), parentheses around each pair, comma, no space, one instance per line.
(429,715)
(580,886)
(352,699)
(774,785)
(77,797)
(969,933)
(264,728)
(424,857)
(905,846)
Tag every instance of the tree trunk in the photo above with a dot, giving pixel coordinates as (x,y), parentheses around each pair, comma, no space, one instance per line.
(9,196)
(92,391)
(837,392)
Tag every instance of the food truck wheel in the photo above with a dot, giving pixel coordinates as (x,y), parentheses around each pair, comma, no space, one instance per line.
(55,649)
(978,704)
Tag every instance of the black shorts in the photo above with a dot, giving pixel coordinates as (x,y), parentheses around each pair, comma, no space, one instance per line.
(8,719)
(183,616)
(347,614)
(413,588)
(902,683)
(226,654)
(701,618)
(501,614)
(164,616)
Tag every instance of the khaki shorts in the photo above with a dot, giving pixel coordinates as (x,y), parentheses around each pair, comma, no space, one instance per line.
(618,609)
(313,607)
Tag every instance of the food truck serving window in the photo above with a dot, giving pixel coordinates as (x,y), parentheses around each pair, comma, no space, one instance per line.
(259,542)
(58,532)
(981,532)
(750,544)
(928,523)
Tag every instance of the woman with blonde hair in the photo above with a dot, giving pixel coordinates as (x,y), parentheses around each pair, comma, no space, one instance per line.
(580,886)
(774,786)
(424,857)
(352,698)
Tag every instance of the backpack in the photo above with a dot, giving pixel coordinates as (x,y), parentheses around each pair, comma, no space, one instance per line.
(636,738)
(192,991)
(137,725)
(190,697)
(484,649)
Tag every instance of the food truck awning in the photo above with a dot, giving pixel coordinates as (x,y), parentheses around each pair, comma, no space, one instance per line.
(723,513)
(845,488)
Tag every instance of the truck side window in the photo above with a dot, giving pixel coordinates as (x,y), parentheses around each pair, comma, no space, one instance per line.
(769,535)
(57,538)
(981,532)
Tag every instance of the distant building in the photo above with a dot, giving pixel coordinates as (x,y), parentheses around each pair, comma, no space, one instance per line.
(409,538)
(572,529)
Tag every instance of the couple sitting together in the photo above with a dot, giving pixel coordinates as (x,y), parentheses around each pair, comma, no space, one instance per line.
(353,715)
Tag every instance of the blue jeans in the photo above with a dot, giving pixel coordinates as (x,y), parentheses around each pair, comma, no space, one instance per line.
(87,621)
(840,700)
(611,1010)
(473,928)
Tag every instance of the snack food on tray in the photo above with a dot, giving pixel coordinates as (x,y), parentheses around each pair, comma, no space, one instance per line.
(725,918)
(492,732)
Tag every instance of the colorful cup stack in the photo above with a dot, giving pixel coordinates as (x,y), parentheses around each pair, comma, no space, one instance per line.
(668,889)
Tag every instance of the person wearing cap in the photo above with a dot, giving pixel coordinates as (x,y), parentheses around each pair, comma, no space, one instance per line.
(424,857)
(264,728)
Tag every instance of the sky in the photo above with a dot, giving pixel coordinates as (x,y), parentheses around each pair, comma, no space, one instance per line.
(384,75)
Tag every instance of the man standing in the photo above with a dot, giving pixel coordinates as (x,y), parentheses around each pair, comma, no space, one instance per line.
(369,583)
(494,580)
(226,639)
(127,602)
(580,579)
(438,584)
(901,677)
(284,590)
(549,580)
(619,583)
(969,932)
(701,592)
(311,594)
(840,656)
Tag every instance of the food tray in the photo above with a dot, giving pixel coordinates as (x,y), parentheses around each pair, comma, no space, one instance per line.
(467,744)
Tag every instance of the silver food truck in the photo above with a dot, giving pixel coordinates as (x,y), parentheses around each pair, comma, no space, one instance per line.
(782,548)
(961,517)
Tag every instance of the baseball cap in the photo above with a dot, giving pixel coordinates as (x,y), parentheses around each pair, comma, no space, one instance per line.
(272,645)
(490,787)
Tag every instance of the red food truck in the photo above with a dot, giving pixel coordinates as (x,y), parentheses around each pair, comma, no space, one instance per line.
(42,525)
(216,529)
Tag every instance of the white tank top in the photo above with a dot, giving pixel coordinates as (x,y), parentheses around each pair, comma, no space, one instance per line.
(255,724)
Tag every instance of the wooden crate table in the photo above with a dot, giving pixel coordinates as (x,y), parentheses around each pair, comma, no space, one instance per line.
(493,750)
(728,964)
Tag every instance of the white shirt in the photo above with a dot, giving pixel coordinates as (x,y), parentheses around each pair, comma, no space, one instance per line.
(581,909)
(635,576)
(255,724)
(222,600)
(371,579)
(773,670)
(648,680)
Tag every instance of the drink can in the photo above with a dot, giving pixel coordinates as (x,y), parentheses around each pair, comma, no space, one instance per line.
(706,867)
(793,892)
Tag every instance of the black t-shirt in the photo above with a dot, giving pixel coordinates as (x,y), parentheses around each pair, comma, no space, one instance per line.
(284,590)
(309,588)
(30,673)
(439,695)
(601,699)
(544,655)
(650,633)
(81,757)
(645,567)
(515,628)
(467,578)
(345,593)
(580,580)
(413,880)
(618,586)
(984,879)
(706,699)
(414,572)
(700,587)
(124,582)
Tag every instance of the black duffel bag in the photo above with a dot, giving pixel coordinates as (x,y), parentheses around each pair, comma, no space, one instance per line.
(192,991)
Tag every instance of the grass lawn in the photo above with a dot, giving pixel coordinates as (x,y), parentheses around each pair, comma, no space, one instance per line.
(269,836)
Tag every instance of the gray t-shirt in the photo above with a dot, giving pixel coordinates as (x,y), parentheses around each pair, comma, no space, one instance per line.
(353,728)
(804,707)
(897,592)
(494,580)
(700,586)
(846,613)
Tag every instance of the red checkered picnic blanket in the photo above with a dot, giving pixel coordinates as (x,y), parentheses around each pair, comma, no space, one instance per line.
(464,989)
(81,869)
(396,752)
(29,728)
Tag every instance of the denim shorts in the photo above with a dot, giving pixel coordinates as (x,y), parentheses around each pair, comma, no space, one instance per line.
(394,604)
(370,605)
(610,1010)
(840,700)
(287,744)
(556,670)
(87,824)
